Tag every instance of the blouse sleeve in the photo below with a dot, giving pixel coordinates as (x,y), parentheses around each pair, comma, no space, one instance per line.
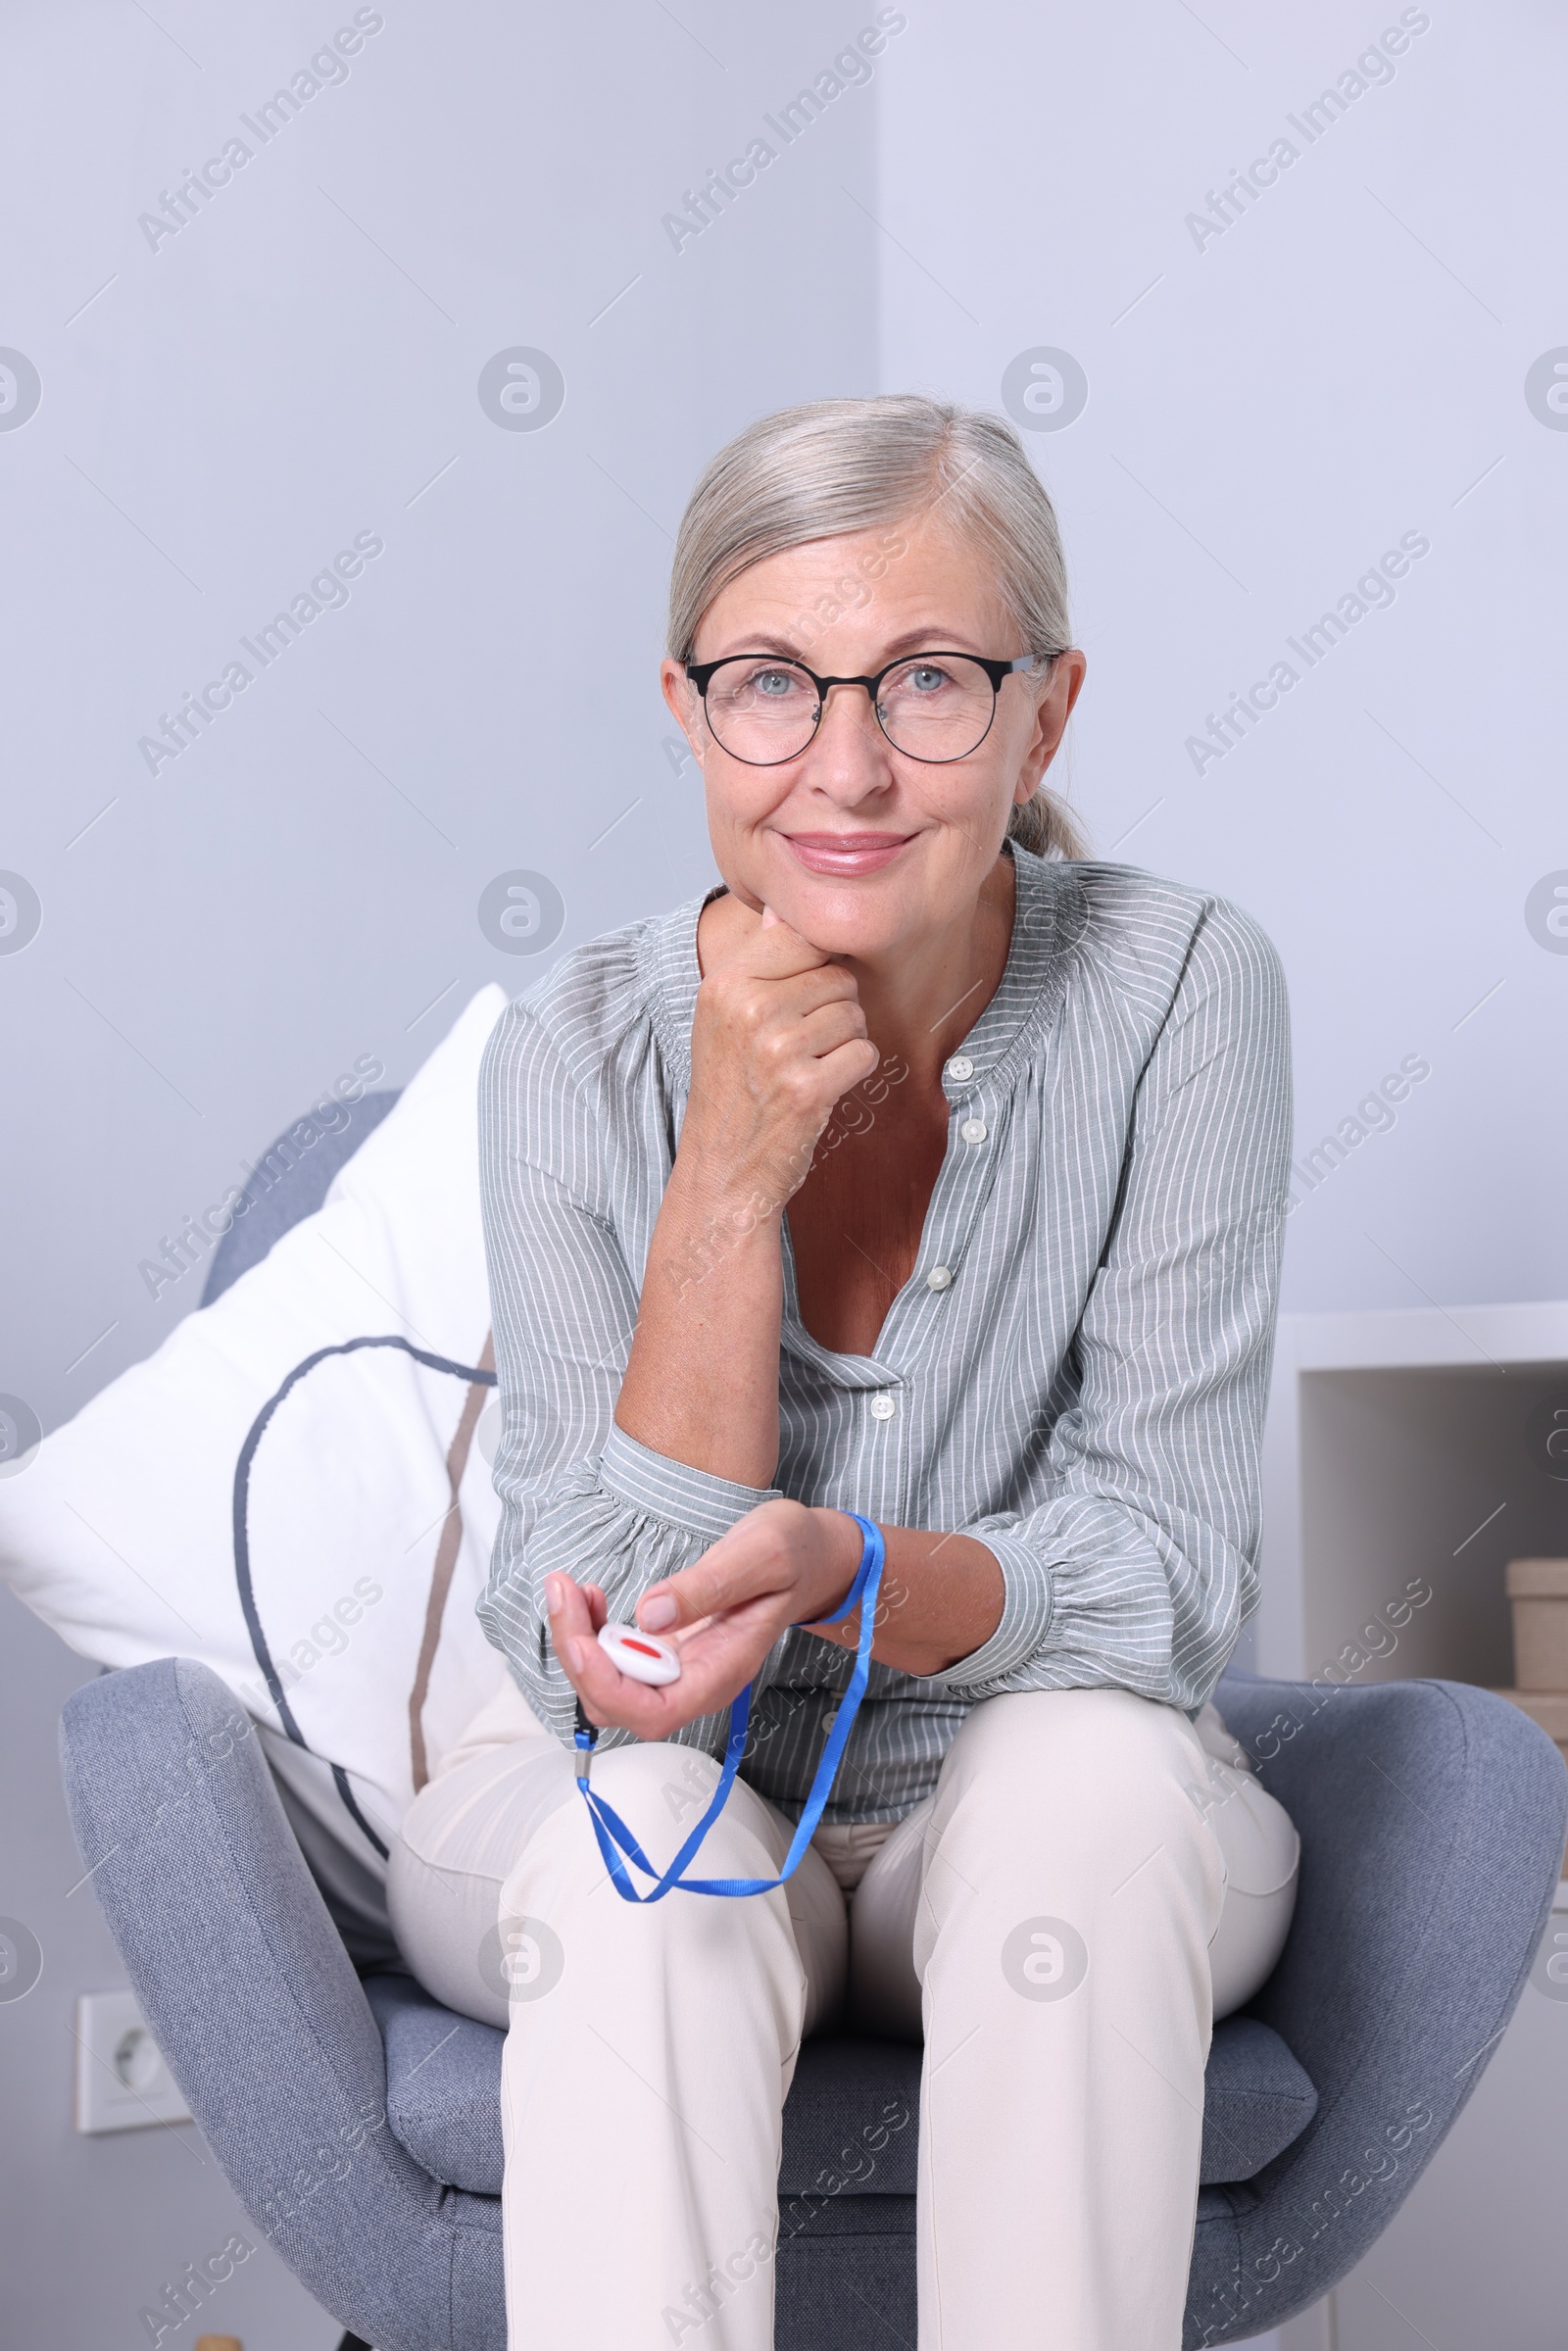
(576,1493)
(1140,1569)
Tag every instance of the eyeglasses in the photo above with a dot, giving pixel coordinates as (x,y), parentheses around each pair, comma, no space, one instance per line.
(934,707)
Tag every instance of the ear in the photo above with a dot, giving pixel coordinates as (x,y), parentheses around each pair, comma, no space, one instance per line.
(685,706)
(1051,713)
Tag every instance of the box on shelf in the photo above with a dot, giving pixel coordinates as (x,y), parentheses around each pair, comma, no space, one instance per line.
(1548,1707)
(1538,1591)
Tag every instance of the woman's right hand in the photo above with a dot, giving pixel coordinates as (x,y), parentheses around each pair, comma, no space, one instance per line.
(778,1037)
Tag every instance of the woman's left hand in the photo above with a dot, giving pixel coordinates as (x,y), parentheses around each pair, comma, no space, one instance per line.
(782,1564)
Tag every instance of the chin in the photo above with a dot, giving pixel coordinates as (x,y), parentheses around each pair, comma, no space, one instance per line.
(852,918)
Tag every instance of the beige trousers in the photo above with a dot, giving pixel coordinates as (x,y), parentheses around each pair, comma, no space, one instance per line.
(1058,1920)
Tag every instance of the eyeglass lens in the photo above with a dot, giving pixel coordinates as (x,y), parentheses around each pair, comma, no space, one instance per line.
(763,710)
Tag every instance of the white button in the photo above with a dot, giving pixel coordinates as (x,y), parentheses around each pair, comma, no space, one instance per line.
(938,1278)
(961,1067)
(883,1407)
(974,1130)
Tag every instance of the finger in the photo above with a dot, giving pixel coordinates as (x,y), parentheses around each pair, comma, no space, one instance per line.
(697,1594)
(720,1654)
(788,1065)
(849,1065)
(804,991)
(769,918)
(570,1613)
(743,1565)
(775,951)
(832,1025)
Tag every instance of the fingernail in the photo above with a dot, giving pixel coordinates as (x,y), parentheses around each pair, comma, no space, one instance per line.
(577,1655)
(555,1594)
(654,1614)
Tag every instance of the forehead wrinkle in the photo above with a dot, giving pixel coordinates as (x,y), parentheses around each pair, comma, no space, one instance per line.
(760,640)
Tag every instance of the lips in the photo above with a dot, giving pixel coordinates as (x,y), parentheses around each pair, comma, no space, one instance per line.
(846,854)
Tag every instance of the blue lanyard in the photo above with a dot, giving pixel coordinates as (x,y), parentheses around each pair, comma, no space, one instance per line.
(611,1831)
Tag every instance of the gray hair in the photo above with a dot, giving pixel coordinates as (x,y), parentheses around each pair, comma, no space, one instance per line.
(835,467)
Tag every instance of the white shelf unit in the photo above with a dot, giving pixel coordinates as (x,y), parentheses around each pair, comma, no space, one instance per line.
(1405,1447)
(1401,1448)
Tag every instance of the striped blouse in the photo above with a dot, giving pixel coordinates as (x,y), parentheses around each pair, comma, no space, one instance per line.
(1075,1374)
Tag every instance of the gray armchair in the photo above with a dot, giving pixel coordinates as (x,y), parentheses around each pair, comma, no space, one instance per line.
(359,2123)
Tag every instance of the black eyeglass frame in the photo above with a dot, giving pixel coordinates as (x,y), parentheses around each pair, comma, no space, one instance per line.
(702,675)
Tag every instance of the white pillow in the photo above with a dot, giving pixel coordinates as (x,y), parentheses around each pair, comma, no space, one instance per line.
(122,1531)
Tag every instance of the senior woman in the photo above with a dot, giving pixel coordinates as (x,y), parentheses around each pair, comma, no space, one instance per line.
(928,1172)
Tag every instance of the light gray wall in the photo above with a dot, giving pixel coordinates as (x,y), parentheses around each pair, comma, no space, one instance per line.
(300,363)
(297,887)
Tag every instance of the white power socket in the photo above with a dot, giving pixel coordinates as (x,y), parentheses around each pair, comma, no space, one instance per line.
(121,2080)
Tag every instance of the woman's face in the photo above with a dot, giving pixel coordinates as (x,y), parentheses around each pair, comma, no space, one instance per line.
(860,847)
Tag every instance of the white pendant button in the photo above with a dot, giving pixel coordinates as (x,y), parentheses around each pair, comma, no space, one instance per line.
(961,1067)
(974,1130)
(641,1656)
(938,1278)
(883,1407)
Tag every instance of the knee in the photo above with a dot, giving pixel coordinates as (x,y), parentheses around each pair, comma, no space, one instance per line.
(1087,1731)
(676,1780)
(1093,1762)
(661,1793)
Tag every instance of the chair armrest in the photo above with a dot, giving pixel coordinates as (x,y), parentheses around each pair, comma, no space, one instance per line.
(255,2004)
(1432,1817)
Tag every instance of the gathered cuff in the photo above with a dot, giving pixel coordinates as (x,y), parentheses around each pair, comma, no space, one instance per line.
(696,1501)
(1026,1612)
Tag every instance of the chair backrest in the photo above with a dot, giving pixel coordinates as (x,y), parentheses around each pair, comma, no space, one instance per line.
(290,1181)
(1431,1818)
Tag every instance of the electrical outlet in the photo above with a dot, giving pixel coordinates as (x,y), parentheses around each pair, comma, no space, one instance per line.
(121,2080)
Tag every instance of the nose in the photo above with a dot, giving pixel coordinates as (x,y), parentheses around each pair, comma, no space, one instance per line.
(848,756)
